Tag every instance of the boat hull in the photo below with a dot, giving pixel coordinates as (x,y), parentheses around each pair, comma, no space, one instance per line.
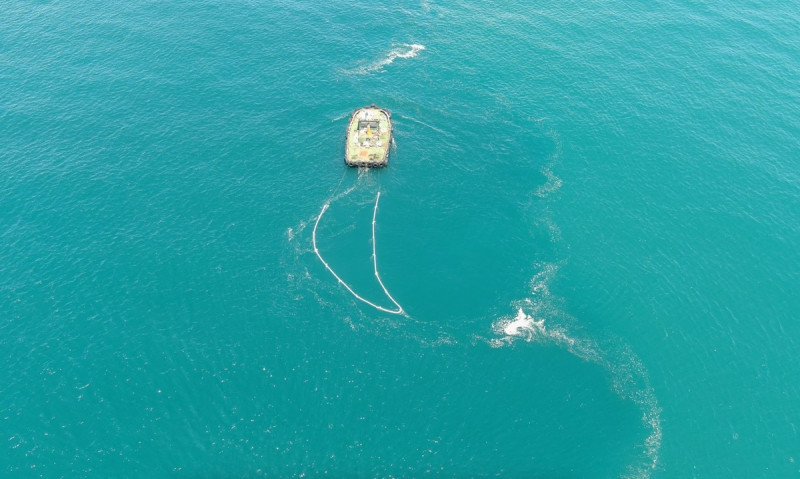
(369,135)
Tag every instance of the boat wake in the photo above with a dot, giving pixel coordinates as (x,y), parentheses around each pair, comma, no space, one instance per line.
(404,50)
(426,125)
(342,116)
(538,320)
(553,183)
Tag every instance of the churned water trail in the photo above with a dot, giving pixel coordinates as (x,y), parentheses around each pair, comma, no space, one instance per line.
(427,125)
(399,309)
(341,117)
(404,50)
(629,376)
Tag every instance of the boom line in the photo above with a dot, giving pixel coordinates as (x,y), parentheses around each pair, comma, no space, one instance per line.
(399,309)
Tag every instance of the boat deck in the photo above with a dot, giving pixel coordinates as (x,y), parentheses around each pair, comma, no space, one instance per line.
(369,135)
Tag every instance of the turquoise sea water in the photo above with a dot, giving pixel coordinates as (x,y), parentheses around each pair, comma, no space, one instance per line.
(591,218)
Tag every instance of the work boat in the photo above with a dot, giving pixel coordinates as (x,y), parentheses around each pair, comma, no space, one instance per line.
(369,135)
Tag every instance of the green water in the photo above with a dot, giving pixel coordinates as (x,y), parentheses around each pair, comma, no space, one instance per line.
(590,218)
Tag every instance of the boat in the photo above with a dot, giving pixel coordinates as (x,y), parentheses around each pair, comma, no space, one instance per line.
(369,135)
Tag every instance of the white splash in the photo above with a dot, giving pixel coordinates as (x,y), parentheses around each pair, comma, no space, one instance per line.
(628,375)
(522,325)
(404,50)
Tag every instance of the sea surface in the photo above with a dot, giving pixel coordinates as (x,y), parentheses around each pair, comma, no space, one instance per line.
(590,224)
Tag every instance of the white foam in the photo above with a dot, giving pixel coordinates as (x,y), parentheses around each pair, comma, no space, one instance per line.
(553,183)
(628,375)
(427,125)
(632,382)
(522,325)
(404,50)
